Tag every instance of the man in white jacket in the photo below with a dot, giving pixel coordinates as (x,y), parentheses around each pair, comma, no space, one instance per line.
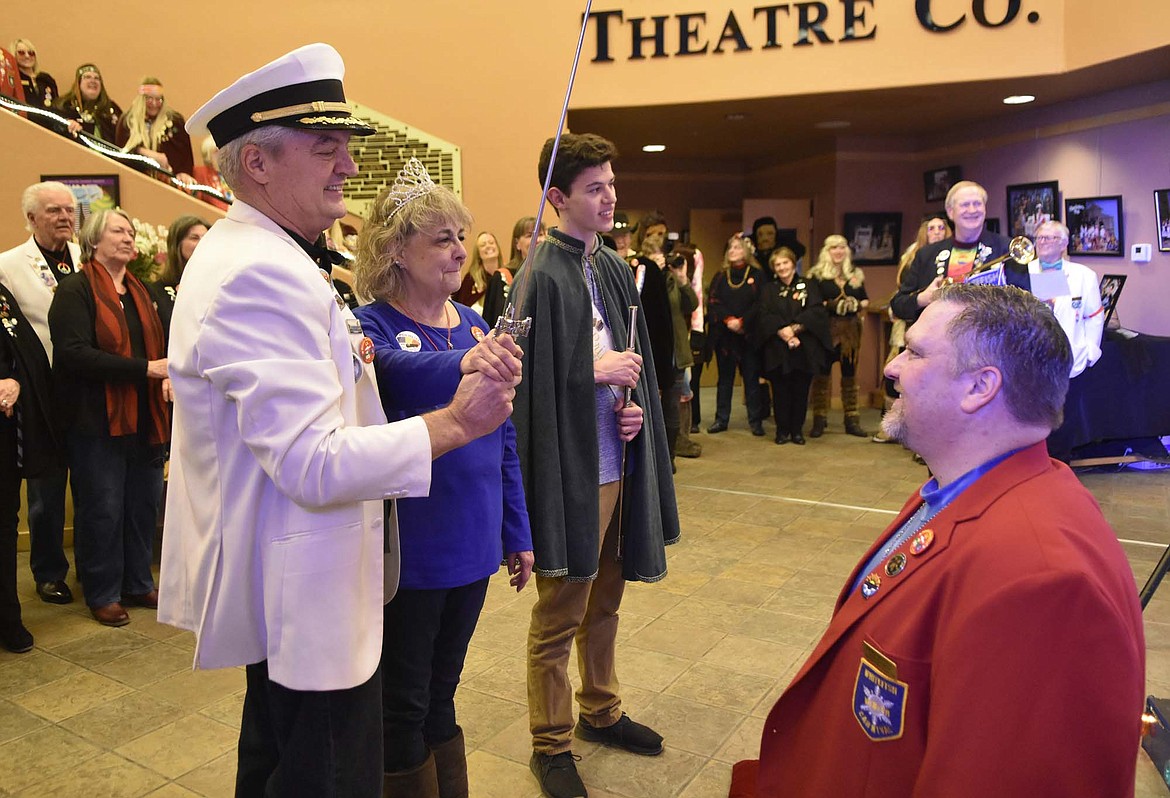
(1075,301)
(31,272)
(274,544)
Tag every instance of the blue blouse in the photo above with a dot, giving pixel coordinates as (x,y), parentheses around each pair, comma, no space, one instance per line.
(475,511)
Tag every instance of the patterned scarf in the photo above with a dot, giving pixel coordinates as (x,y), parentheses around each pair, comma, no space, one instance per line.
(113,336)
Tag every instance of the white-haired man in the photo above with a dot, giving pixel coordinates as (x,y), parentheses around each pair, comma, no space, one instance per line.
(274,541)
(31,272)
(1072,291)
(952,259)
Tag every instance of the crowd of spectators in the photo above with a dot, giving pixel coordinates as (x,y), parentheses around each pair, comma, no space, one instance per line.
(779,327)
(148,128)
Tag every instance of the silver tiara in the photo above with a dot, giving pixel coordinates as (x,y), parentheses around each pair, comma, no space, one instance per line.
(412,182)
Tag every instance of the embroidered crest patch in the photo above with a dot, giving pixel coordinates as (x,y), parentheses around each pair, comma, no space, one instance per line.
(879,703)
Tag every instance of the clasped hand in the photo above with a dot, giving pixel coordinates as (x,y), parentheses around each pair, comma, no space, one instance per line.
(496,357)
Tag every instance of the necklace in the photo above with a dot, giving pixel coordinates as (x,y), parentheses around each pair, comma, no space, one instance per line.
(746,271)
(419,327)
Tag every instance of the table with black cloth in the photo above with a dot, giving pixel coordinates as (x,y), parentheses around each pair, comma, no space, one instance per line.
(1122,397)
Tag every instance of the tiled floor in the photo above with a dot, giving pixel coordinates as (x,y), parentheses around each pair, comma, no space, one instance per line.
(769,534)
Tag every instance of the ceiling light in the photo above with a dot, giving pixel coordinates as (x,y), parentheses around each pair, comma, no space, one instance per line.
(835,124)
(735,117)
(1018,99)
(654,148)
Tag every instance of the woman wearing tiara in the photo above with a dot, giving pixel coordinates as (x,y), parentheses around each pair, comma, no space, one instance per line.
(409,257)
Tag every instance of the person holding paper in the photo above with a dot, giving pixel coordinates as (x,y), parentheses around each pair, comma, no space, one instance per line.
(1072,291)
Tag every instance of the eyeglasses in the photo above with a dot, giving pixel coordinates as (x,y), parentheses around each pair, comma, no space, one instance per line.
(26,52)
(1048,239)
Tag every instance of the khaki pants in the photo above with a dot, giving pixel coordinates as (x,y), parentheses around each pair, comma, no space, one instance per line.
(587,612)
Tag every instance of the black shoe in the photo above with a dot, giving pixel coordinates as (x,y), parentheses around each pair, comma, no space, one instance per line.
(17,639)
(625,734)
(694,429)
(783,437)
(853,427)
(798,439)
(818,427)
(757,429)
(718,426)
(55,592)
(557,774)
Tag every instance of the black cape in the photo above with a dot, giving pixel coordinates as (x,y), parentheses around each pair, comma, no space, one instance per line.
(556,424)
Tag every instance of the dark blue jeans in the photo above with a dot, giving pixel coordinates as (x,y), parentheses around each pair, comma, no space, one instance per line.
(424,643)
(117,485)
(309,744)
(747,360)
(46,526)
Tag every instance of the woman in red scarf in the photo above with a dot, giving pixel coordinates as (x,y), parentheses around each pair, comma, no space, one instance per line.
(111,372)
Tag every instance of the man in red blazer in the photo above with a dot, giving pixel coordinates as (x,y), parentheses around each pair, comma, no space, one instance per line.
(990,642)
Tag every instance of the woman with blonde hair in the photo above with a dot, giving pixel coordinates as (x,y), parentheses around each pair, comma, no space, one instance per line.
(933,229)
(39,87)
(732,299)
(152,129)
(110,363)
(843,290)
(452,541)
(484,262)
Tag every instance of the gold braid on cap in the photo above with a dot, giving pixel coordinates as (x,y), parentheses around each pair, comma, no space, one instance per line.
(412,182)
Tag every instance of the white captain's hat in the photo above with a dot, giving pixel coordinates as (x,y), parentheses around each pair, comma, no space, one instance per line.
(301,89)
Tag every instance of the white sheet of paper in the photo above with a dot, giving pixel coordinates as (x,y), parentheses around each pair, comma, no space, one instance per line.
(1049,285)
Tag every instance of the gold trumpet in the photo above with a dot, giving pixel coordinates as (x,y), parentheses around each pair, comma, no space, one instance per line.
(1020,249)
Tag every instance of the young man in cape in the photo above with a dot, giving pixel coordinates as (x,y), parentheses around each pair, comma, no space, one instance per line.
(572,423)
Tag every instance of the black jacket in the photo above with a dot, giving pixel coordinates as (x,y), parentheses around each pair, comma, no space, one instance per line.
(80,368)
(23,358)
(925,267)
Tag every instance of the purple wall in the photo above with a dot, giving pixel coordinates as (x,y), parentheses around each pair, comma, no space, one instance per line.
(1099,146)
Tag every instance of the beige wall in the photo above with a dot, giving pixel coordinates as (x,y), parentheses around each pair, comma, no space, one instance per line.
(1096,32)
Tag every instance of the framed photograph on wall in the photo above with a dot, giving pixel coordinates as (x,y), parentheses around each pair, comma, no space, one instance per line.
(1029,204)
(1162,218)
(874,238)
(1095,226)
(92,192)
(938,182)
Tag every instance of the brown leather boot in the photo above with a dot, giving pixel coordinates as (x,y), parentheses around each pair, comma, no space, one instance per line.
(849,402)
(451,767)
(418,782)
(820,405)
(684,446)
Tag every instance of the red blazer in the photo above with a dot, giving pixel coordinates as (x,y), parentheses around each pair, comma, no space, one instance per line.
(1005,659)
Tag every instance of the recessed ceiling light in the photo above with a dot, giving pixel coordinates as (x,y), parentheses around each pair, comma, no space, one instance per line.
(735,117)
(654,148)
(835,124)
(1018,99)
